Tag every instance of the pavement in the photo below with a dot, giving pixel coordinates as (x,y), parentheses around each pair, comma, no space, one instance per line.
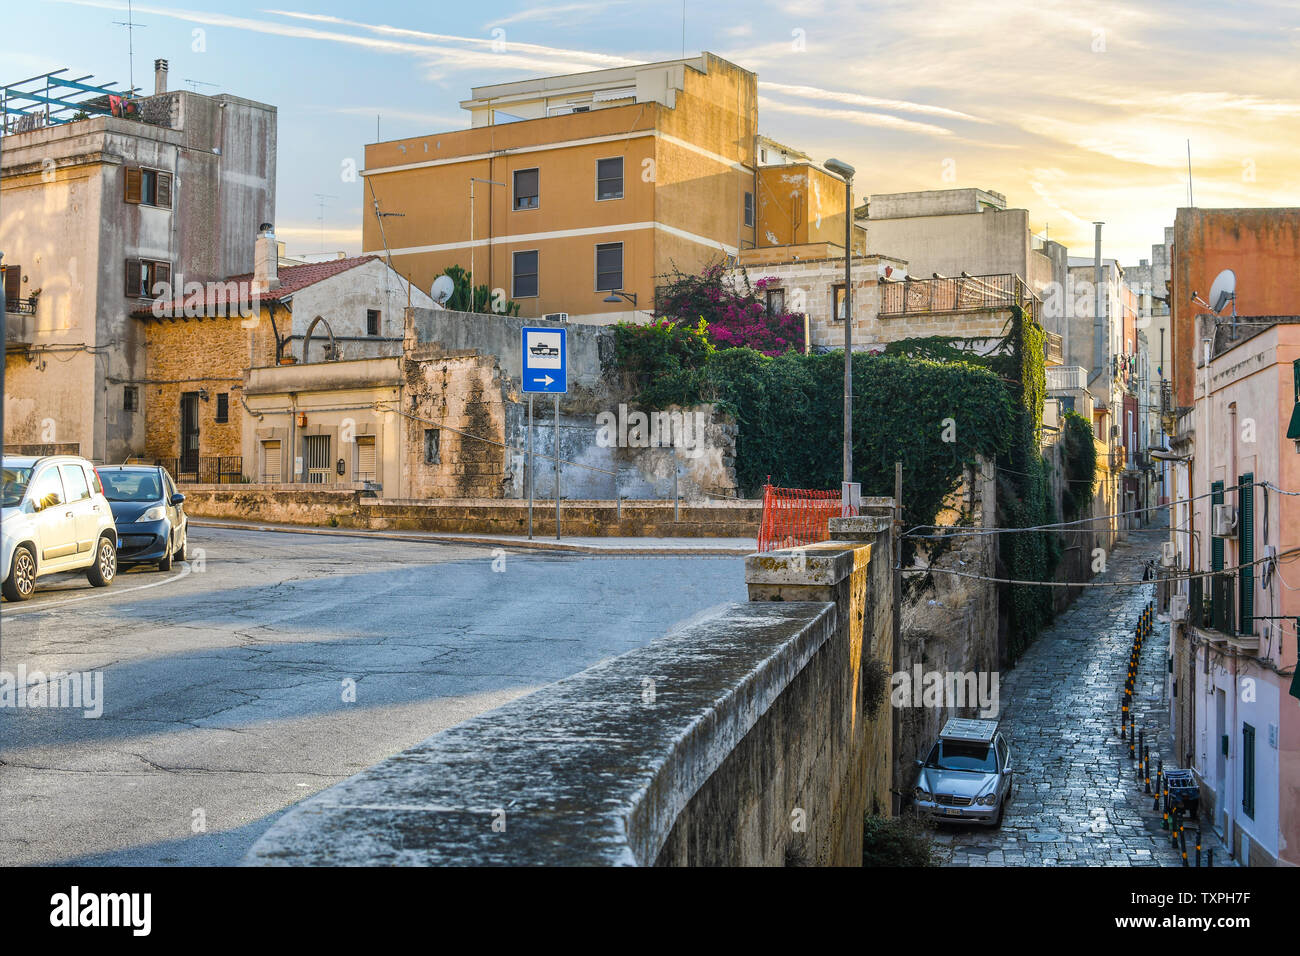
(1077,801)
(575,545)
(271,666)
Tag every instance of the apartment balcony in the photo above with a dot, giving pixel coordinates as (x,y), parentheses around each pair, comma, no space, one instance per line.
(20,322)
(1064,378)
(947,294)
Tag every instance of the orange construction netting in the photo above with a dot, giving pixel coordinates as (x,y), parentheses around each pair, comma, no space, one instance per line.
(795,516)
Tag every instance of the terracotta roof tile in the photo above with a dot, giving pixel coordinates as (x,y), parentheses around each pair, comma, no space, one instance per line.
(292,279)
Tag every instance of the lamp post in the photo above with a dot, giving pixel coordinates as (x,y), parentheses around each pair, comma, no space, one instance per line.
(845,172)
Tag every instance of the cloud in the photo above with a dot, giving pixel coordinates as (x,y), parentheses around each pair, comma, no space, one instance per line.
(859,99)
(569,12)
(859,117)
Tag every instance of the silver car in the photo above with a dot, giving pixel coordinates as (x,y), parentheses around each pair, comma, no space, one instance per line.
(967,776)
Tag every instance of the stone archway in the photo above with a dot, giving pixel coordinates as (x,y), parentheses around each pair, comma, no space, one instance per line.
(331,349)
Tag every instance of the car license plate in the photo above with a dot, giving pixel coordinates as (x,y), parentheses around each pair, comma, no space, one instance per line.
(952,812)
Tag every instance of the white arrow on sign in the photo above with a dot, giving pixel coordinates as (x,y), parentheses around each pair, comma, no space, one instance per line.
(545,381)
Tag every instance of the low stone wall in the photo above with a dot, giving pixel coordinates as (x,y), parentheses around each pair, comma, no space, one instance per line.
(350,508)
(748,738)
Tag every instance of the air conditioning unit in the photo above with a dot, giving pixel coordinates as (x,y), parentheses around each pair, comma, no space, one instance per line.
(1178,607)
(1223,521)
(557,317)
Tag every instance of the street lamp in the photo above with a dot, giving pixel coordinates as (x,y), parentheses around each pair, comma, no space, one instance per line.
(616,296)
(845,172)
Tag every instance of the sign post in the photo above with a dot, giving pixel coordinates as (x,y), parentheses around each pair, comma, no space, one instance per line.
(545,371)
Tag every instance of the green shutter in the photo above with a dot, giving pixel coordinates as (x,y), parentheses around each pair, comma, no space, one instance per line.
(1293,429)
(1246,535)
(1248,770)
(1216,544)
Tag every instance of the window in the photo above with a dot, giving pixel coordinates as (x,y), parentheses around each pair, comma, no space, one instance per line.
(837,302)
(432,439)
(74,479)
(749,209)
(144,275)
(13,284)
(526,192)
(365,458)
(47,490)
(223,408)
(1248,770)
(524,274)
(372,321)
(775,301)
(609,178)
(271,461)
(609,266)
(148,187)
(1246,553)
(130,399)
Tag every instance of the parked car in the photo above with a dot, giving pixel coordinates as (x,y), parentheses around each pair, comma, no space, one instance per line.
(149,513)
(967,776)
(53,517)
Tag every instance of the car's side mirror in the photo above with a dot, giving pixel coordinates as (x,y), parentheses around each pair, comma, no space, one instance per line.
(920,762)
(1007,770)
(178,498)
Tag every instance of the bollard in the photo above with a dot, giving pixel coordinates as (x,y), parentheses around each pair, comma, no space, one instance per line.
(1142,753)
(1198,846)
(1182,840)
(1130,740)
(1209,859)
(1146,771)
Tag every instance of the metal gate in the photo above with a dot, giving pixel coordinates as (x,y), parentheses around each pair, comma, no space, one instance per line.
(316,449)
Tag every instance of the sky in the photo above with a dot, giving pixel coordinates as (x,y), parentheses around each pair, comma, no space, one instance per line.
(1075,111)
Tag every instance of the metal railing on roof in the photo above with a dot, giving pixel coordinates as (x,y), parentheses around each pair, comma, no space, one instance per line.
(964,293)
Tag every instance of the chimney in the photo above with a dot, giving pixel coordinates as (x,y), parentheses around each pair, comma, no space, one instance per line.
(266,260)
(159,77)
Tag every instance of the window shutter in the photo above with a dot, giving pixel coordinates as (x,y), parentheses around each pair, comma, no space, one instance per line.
(164,191)
(134,189)
(1248,770)
(13,283)
(162,274)
(1216,544)
(366,457)
(1246,535)
(133,267)
(271,461)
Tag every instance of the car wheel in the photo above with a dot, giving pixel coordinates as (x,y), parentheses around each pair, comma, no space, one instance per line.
(22,575)
(165,562)
(102,572)
(185,540)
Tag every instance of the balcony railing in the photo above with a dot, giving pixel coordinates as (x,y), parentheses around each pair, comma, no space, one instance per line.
(1062,378)
(25,306)
(957,294)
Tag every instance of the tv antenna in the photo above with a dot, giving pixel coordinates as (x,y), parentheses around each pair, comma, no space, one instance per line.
(322,199)
(131,27)
(195,84)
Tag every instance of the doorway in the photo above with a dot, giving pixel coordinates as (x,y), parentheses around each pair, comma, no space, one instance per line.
(189,433)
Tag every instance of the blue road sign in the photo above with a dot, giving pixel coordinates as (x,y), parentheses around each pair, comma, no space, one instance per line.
(546,360)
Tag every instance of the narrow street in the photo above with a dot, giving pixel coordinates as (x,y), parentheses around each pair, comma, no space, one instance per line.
(1077,801)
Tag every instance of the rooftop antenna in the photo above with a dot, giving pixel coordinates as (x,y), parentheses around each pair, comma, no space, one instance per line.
(1190,201)
(195,84)
(131,27)
(321,198)
(683,29)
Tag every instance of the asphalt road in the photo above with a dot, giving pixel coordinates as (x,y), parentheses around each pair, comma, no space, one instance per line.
(225,680)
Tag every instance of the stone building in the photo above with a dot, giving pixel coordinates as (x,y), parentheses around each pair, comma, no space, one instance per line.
(208,346)
(96,215)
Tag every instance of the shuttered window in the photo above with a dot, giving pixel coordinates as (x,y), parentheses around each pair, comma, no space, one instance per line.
(609,266)
(13,283)
(526,191)
(163,191)
(524,284)
(1248,770)
(271,461)
(609,178)
(1216,544)
(144,275)
(134,181)
(366,458)
(1246,535)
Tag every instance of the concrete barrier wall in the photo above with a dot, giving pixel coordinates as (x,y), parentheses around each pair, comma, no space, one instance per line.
(349,508)
(748,738)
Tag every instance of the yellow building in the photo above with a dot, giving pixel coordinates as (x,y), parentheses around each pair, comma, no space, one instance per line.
(580,186)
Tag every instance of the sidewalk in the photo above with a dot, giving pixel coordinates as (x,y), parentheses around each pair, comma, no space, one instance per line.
(711,547)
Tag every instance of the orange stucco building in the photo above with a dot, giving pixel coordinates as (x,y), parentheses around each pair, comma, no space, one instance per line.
(1261,246)
(591,184)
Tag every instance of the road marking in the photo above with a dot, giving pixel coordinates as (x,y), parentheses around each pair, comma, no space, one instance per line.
(32,608)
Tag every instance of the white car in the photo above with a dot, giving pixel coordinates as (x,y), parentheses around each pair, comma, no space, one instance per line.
(55,518)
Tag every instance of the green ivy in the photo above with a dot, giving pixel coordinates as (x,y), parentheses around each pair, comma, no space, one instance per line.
(1080,464)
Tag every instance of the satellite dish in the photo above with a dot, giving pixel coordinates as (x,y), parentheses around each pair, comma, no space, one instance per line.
(442,290)
(1223,291)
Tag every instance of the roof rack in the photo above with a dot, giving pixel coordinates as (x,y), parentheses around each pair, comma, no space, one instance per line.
(969,729)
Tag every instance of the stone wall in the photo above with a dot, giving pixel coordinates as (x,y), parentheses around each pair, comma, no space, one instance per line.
(752,737)
(349,507)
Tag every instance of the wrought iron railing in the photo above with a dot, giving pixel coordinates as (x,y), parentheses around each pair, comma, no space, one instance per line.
(25,306)
(957,294)
(205,470)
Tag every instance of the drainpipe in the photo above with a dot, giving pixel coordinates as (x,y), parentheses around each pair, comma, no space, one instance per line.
(1098,313)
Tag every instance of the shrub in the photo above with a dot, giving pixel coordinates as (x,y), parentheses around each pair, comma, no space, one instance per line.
(897,841)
